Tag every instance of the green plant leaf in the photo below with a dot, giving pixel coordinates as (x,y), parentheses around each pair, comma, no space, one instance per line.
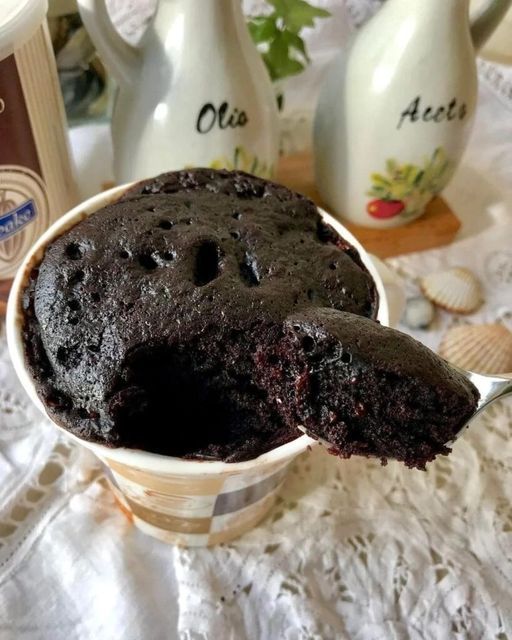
(288,67)
(262,29)
(303,15)
(280,6)
(278,59)
(296,42)
(284,51)
(297,13)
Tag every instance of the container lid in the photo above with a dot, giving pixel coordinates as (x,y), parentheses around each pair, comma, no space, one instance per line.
(19,20)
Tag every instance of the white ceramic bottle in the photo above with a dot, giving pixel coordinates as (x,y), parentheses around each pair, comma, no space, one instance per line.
(195,93)
(395,112)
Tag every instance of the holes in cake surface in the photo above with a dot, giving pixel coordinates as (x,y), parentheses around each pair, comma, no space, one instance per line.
(237,215)
(235,235)
(75,251)
(313,295)
(62,355)
(346,357)
(249,271)
(165,224)
(68,356)
(308,344)
(333,266)
(282,228)
(147,261)
(169,256)
(74,305)
(95,296)
(207,263)
(76,277)
(124,254)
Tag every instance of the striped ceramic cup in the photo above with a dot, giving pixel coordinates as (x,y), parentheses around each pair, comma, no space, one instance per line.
(185,502)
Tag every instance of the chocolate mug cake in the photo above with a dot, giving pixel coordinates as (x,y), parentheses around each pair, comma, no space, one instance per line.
(206,314)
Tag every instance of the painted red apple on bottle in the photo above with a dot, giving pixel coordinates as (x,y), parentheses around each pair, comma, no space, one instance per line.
(383,209)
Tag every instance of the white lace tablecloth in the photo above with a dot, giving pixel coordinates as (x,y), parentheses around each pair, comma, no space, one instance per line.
(351,550)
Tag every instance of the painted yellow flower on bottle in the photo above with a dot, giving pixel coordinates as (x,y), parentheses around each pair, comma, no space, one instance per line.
(242,160)
(406,189)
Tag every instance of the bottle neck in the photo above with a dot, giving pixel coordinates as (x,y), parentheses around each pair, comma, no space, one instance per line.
(422,23)
(432,10)
(210,20)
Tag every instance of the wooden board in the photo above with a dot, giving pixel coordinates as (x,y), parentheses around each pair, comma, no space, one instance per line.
(437,227)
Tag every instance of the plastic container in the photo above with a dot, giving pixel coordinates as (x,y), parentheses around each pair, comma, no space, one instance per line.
(185,502)
(36,178)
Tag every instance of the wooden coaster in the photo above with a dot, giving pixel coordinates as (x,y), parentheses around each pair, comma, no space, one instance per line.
(437,227)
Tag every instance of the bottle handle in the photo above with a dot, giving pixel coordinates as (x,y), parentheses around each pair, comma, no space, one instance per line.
(119,57)
(486,19)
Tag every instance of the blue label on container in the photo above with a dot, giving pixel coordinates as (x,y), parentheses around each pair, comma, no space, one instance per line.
(15,220)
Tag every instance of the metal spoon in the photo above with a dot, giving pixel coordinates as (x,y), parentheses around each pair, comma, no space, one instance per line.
(491,388)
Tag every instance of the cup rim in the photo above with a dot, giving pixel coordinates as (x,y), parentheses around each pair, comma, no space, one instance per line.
(136,457)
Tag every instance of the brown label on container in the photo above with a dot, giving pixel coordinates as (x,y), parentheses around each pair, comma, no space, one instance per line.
(23,199)
(17,145)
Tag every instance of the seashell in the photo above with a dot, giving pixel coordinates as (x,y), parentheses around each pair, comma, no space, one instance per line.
(456,290)
(482,348)
(419,313)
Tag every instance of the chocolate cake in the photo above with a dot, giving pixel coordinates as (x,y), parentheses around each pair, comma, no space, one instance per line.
(365,389)
(190,317)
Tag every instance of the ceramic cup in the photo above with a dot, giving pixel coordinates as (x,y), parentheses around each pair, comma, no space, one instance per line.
(185,502)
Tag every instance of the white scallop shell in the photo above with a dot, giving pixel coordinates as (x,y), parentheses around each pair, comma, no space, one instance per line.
(482,348)
(456,290)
